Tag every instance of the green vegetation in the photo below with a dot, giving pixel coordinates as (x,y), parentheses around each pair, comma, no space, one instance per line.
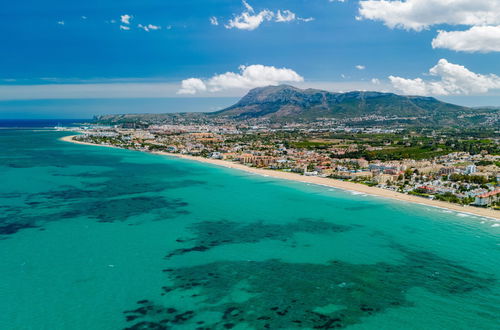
(477,179)
(487,163)
(311,145)
(417,153)
(418,193)
(451,198)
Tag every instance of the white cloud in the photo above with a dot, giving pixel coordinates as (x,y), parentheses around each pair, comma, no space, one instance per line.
(285,16)
(360,67)
(61,23)
(149,27)
(253,76)
(192,86)
(482,39)
(124,27)
(125,19)
(420,14)
(375,81)
(214,21)
(249,77)
(309,19)
(452,79)
(250,20)
(247,6)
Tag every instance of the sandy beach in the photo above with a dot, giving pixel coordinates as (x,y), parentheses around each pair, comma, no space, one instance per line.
(70,139)
(350,186)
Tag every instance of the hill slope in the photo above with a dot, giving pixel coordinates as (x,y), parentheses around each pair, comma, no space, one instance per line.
(287,103)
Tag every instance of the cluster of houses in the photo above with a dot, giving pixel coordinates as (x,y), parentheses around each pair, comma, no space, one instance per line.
(429,176)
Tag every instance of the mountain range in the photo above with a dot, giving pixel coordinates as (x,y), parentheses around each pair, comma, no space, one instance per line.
(290,104)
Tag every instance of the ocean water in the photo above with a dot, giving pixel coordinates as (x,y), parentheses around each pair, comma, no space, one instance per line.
(39,123)
(102,238)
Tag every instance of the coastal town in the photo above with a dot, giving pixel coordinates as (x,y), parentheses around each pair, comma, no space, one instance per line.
(460,167)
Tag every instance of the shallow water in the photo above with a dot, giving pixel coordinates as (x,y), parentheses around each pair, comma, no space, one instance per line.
(100,238)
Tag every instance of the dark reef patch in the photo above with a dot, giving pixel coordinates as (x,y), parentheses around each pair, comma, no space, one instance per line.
(295,295)
(112,210)
(11,195)
(209,234)
(114,200)
(108,187)
(12,228)
(116,187)
(106,211)
(154,316)
(362,207)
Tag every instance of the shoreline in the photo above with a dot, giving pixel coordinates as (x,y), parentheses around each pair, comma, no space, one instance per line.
(71,140)
(343,185)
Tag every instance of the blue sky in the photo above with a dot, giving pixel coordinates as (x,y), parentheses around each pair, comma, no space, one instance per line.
(90,50)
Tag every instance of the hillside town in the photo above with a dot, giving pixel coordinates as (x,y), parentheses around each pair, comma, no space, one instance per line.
(458,168)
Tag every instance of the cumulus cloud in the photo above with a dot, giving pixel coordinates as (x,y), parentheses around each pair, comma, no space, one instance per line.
(124,27)
(375,81)
(482,39)
(250,19)
(253,76)
(420,14)
(248,77)
(360,67)
(61,23)
(192,86)
(452,79)
(125,19)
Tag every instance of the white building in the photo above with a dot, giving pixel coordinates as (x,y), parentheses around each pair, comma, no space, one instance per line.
(470,169)
(488,198)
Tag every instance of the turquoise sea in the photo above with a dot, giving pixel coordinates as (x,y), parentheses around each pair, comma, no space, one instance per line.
(101,238)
